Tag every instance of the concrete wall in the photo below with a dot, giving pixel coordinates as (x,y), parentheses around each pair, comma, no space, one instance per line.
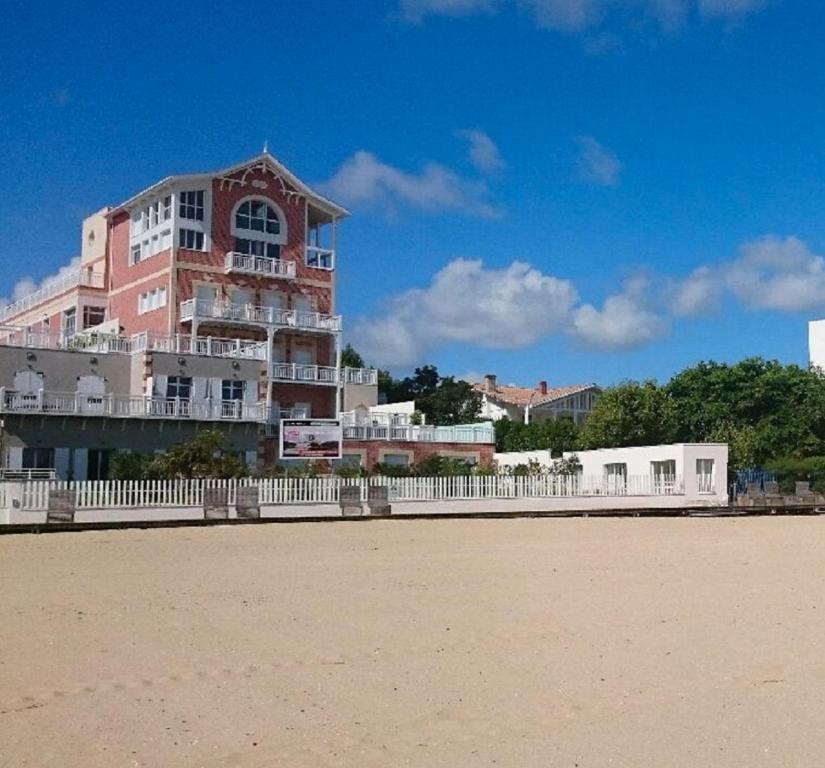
(816,343)
(359,396)
(61,369)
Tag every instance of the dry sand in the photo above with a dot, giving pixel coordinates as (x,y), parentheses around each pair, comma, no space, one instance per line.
(580,642)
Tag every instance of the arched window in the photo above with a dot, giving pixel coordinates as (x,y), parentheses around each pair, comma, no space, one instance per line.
(259,228)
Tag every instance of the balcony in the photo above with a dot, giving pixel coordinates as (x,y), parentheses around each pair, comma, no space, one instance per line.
(360,376)
(82,279)
(105,343)
(128,406)
(305,374)
(205,346)
(389,426)
(320,258)
(249,314)
(259,265)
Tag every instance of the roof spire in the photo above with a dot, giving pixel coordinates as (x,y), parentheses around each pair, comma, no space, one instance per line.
(266,146)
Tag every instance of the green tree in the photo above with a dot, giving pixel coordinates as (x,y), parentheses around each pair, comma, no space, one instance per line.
(442,399)
(555,435)
(200,457)
(631,413)
(351,359)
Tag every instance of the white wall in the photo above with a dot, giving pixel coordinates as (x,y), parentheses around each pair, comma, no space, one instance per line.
(514,458)
(816,343)
(638,460)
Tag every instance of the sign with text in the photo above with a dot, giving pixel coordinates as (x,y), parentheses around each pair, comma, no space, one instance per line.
(311,439)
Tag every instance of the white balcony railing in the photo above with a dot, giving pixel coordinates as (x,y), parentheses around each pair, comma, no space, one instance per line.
(259,265)
(313,374)
(384,427)
(320,258)
(360,375)
(128,406)
(181,344)
(207,346)
(249,314)
(82,278)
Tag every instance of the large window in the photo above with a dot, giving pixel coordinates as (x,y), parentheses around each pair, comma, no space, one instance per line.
(257,216)
(705,479)
(191,205)
(664,475)
(70,321)
(232,389)
(38,458)
(258,228)
(257,248)
(93,316)
(179,387)
(190,239)
(151,300)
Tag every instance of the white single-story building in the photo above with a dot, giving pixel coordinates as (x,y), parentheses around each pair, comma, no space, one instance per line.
(697,473)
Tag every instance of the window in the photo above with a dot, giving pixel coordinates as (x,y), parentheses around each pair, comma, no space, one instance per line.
(179,387)
(232,389)
(93,316)
(664,475)
(258,229)
(191,205)
(616,477)
(151,300)
(70,321)
(38,458)
(396,459)
(257,216)
(135,253)
(166,240)
(257,248)
(320,258)
(167,208)
(154,213)
(705,480)
(189,238)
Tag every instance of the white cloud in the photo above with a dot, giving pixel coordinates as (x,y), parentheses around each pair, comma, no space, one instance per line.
(697,294)
(27,284)
(483,152)
(363,179)
(583,15)
(624,322)
(467,302)
(778,273)
(596,163)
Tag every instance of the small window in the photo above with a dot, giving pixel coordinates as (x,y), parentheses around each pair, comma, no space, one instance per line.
(135,253)
(179,387)
(232,389)
(93,316)
(191,205)
(167,207)
(151,300)
(190,239)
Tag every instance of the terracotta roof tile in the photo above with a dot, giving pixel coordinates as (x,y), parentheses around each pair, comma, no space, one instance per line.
(522,396)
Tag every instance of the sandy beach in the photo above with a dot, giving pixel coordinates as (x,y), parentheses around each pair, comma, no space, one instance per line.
(567,642)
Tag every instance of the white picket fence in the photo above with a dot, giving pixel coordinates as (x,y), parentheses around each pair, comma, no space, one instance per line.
(114,494)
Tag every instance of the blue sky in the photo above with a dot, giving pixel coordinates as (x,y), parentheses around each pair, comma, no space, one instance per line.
(570,190)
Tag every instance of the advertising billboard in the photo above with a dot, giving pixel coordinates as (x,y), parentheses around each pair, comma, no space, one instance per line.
(311,439)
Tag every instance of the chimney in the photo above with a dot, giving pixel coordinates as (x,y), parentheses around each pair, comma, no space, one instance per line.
(490,382)
(542,387)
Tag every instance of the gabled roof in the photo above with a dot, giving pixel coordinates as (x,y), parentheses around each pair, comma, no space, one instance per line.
(523,396)
(264,158)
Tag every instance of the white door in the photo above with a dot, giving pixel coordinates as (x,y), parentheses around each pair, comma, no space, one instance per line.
(90,392)
(302,303)
(303,354)
(207,292)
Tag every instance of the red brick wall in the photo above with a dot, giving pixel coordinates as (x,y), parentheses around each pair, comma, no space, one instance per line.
(322,399)
(421,450)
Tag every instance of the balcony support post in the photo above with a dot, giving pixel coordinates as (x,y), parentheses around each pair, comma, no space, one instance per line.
(337,342)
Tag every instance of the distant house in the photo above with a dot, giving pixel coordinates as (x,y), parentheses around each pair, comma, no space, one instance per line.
(540,403)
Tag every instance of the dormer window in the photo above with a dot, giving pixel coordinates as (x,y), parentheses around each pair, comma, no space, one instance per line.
(259,228)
